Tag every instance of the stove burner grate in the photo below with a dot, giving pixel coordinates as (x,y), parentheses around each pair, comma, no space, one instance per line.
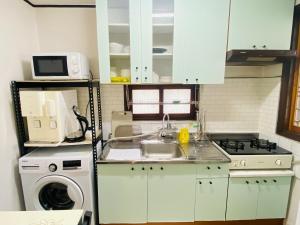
(262,144)
(232,144)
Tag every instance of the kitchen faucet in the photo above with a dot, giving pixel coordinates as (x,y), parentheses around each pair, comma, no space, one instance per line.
(166,129)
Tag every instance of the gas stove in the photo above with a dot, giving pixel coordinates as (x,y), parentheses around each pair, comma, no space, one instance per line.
(247,151)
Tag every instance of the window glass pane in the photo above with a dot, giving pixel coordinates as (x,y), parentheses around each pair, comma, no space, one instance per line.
(145,101)
(297,107)
(177,101)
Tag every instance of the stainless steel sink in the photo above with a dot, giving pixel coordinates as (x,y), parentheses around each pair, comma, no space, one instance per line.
(161,150)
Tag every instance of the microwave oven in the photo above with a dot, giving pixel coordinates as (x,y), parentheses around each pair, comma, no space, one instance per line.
(60,66)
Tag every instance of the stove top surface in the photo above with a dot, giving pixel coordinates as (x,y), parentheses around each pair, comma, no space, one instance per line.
(247,144)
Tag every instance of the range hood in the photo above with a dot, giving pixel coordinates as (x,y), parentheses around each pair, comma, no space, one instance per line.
(243,57)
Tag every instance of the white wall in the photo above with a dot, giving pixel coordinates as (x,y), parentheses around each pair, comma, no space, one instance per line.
(18,39)
(267,126)
(69,29)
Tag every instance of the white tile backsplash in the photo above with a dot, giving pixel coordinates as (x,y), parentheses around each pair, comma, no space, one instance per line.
(230,107)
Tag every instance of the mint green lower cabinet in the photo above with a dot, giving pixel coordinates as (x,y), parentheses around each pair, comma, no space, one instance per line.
(242,199)
(211,196)
(122,193)
(171,193)
(257,198)
(273,197)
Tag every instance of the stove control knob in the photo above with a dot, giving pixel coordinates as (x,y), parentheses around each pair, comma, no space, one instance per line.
(243,163)
(52,167)
(278,162)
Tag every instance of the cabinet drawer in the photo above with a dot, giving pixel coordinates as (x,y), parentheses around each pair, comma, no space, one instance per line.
(212,170)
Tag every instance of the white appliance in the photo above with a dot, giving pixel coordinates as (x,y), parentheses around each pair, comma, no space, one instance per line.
(58,178)
(60,66)
(49,114)
(247,151)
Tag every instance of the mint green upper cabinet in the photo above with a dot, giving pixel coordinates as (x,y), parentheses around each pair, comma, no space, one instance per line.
(122,193)
(242,199)
(260,24)
(119,40)
(200,38)
(211,195)
(171,193)
(135,41)
(146,34)
(273,197)
(103,40)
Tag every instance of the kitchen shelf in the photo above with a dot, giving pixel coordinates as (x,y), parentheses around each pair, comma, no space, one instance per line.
(163,28)
(119,28)
(47,144)
(41,144)
(157,28)
(162,55)
(119,55)
(25,146)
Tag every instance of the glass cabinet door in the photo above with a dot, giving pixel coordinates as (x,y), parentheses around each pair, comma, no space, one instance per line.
(119,40)
(163,24)
(157,18)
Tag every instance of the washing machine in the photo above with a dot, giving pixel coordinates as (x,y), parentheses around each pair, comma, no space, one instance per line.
(58,178)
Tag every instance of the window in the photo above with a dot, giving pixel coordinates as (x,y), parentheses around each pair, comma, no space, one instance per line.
(288,123)
(151,102)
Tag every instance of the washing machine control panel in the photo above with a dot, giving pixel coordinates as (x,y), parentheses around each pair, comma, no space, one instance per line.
(52,167)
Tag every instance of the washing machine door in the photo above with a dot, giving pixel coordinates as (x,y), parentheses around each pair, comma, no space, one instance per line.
(57,193)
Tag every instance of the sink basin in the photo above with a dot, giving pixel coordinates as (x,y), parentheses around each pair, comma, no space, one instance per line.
(161,150)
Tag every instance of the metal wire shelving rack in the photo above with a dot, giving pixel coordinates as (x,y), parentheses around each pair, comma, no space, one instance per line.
(16,86)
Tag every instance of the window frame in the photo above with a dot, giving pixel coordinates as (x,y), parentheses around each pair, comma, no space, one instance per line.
(289,84)
(194,98)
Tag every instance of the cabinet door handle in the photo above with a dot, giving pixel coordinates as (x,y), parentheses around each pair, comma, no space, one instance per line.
(257,182)
(210,182)
(143,168)
(247,182)
(197,80)
(219,167)
(200,182)
(265,181)
(161,168)
(146,78)
(186,80)
(208,168)
(274,181)
(254,46)
(136,68)
(264,46)
(136,78)
(146,67)
(151,168)
(132,168)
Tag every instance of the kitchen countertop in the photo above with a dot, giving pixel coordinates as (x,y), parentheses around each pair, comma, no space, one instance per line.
(58,217)
(193,152)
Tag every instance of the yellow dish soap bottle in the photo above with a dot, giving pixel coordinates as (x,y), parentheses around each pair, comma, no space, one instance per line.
(183,136)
